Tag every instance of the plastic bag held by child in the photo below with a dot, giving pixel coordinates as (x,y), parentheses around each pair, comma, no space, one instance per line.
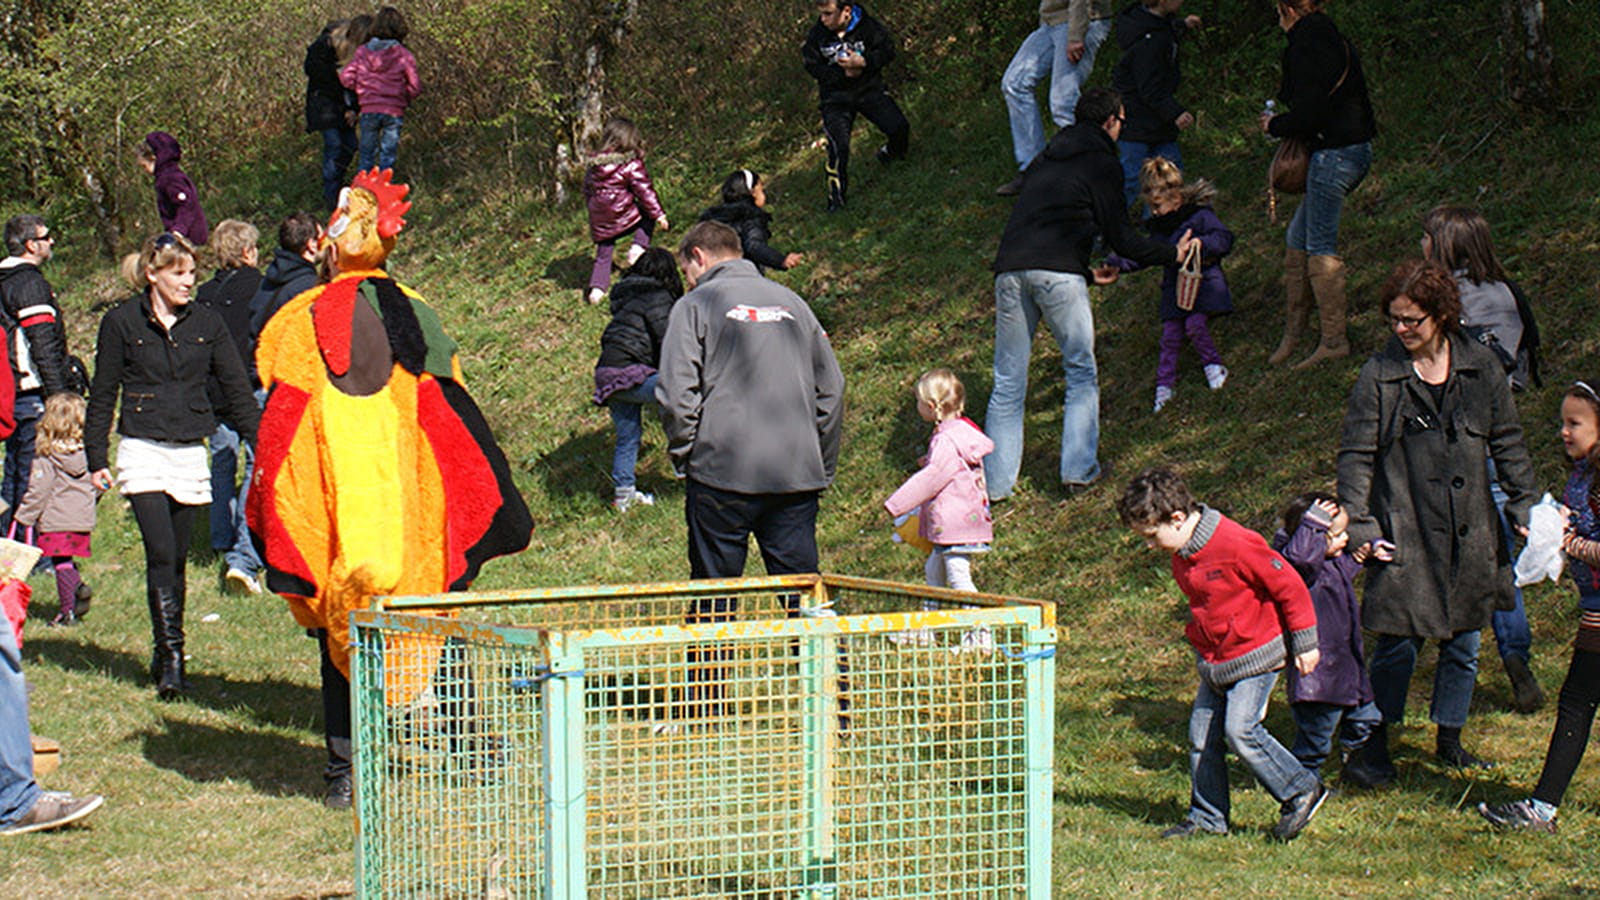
(1541,558)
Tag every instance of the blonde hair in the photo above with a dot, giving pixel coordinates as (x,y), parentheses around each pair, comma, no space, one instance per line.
(61,425)
(1159,175)
(230,240)
(158,252)
(943,392)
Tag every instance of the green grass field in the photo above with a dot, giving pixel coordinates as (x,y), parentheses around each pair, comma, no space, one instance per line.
(220,793)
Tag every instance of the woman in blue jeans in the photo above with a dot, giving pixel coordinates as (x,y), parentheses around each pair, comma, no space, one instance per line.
(1328,108)
(630,353)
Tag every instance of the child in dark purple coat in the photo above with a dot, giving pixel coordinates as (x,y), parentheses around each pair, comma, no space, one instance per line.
(621,198)
(176,199)
(1178,208)
(1313,540)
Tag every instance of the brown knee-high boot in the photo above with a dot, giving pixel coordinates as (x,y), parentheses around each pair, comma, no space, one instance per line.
(1297,304)
(1326,274)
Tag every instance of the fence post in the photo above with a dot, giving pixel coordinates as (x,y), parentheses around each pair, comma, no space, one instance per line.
(819,674)
(1039,727)
(565,857)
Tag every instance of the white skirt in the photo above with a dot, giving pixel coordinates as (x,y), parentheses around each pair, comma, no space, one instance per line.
(180,470)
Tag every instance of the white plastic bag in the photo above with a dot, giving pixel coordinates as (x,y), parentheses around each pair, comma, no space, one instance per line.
(1542,557)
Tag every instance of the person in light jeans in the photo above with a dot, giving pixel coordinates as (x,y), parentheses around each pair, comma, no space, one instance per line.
(1062,48)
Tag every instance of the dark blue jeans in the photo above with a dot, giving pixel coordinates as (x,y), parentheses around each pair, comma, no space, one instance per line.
(721,523)
(19,455)
(1315,724)
(1395,658)
(338,148)
(627,419)
(380,140)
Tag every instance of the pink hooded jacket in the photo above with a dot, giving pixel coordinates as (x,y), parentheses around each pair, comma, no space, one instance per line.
(618,188)
(950,487)
(383,73)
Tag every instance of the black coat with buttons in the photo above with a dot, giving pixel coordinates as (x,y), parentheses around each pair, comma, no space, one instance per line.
(161,375)
(1415,473)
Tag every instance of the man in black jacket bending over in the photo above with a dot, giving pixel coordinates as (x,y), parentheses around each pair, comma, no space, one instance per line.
(1071,193)
(37,345)
(845,51)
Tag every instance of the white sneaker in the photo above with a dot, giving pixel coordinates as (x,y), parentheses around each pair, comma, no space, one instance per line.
(1163,397)
(241,580)
(634,252)
(625,502)
(1216,375)
(595,295)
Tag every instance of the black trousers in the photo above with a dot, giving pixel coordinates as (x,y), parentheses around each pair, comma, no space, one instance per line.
(1580,695)
(721,523)
(837,121)
(164,525)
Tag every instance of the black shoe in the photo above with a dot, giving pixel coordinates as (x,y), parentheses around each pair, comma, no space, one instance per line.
(1188,828)
(1525,694)
(884,156)
(1459,757)
(1010,188)
(1517,815)
(1358,772)
(341,792)
(1297,813)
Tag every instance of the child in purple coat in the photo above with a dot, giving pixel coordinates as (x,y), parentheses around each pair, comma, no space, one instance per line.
(177,202)
(1314,540)
(621,198)
(1177,209)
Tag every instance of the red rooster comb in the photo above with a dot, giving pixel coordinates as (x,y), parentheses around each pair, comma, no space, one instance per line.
(391,197)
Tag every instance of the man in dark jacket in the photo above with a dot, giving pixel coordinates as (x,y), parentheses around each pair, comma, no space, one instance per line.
(845,51)
(37,348)
(1147,76)
(292,272)
(1069,196)
(330,111)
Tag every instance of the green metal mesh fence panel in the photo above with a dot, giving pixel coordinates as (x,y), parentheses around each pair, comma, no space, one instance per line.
(794,737)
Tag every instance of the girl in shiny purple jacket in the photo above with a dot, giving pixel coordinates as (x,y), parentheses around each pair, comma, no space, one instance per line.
(621,199)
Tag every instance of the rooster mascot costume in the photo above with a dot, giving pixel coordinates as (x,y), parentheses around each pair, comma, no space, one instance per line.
(375,472)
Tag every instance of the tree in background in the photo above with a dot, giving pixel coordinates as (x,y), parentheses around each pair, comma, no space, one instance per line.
(1530,60)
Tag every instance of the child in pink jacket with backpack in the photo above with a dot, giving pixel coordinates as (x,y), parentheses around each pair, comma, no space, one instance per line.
(383,74)
(949,487)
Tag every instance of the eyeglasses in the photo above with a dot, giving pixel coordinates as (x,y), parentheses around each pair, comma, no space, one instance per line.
(44,237)
(1410,322)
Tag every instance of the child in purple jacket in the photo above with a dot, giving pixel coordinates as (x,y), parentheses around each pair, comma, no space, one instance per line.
(383,74)
(1313,540)
(177,202)
(621,198)
(1176,209)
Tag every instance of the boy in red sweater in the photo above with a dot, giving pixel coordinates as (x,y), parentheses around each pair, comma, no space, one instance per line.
(1242,595)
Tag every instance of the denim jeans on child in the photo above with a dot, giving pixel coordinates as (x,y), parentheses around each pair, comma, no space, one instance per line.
(1333,173)
(18,792)
(1021,299)
(380,140)
(1043,54)
(1512,636)
(626,418)
(1395,658)
(1315,724)
(1232,718)
(338,148)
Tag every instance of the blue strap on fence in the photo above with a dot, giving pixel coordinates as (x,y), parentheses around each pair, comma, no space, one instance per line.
(1029,655)
(541,675)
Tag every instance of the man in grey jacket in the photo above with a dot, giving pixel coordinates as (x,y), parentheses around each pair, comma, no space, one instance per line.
(752,401)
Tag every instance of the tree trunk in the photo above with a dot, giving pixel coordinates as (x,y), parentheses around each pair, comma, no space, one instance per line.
(1530,60)
(609,27)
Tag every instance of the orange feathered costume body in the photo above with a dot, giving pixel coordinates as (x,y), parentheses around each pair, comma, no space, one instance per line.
(375,472)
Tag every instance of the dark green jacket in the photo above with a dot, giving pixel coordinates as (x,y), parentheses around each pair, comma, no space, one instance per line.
(1415,474)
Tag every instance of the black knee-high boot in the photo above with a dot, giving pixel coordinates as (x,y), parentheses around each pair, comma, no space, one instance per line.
(166,626)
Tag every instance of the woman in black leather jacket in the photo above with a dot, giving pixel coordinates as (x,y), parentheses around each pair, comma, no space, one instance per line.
(157,351)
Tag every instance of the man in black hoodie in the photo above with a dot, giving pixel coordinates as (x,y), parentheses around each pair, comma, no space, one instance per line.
(37,346)
(845,51)
(1069,196)
(1147,76)
(292,272)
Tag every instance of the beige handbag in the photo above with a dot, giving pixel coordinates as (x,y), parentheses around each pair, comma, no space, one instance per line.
(1189,278)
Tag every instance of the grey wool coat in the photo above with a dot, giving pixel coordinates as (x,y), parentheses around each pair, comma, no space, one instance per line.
(1415,474)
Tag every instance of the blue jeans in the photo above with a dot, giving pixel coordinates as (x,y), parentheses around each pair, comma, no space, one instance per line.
(380,140)
(225,506)
(241,553)
(1062,300)
(1512,636)
(338,148)
(1333,173)
(1133,154)
(1233,718)
(626,417)
(19,455)
(18,792)
(1395,658)
(1044,53)
(1315,723)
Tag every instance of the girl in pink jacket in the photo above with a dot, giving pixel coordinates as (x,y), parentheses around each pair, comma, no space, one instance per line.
(621,198)
(949,487)
(383,74)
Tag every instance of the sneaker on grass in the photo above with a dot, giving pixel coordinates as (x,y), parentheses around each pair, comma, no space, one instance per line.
(54,809)
(1519,815)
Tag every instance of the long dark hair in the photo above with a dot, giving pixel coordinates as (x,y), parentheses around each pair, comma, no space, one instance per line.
(658,265)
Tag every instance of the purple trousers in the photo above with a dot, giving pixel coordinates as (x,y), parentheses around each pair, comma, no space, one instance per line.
(600,276)
(1173,332)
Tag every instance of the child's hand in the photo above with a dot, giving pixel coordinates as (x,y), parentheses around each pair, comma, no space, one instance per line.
(663,224)
(1307,661)
(1106,274)
(101,479)
(1380,550)
(1184,121)
(790,260)
(1328,507)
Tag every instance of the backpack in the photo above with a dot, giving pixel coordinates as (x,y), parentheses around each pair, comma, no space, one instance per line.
(1522,361)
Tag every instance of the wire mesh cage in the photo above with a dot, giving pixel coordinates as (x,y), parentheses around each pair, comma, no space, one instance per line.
(813,736)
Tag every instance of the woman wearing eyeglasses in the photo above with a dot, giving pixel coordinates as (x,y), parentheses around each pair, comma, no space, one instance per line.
(158,351)
(1425,413)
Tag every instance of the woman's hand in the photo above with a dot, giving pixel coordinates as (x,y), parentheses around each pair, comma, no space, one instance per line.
(1266,123)
(101,479)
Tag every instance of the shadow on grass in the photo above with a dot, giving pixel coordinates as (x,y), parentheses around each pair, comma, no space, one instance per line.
(272,764)
(572,271)
(269,701)
(581,465)
(1137,808)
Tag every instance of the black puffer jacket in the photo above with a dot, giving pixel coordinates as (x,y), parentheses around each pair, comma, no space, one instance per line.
(1147,75)
(751,221)
(161,375)
(326,98)
(867,37)
(1315,59)
(640,308)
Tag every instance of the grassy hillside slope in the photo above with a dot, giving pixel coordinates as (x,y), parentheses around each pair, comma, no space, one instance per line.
(901,281)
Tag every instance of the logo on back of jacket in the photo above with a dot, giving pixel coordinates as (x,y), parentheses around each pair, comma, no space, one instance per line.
(762,314)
